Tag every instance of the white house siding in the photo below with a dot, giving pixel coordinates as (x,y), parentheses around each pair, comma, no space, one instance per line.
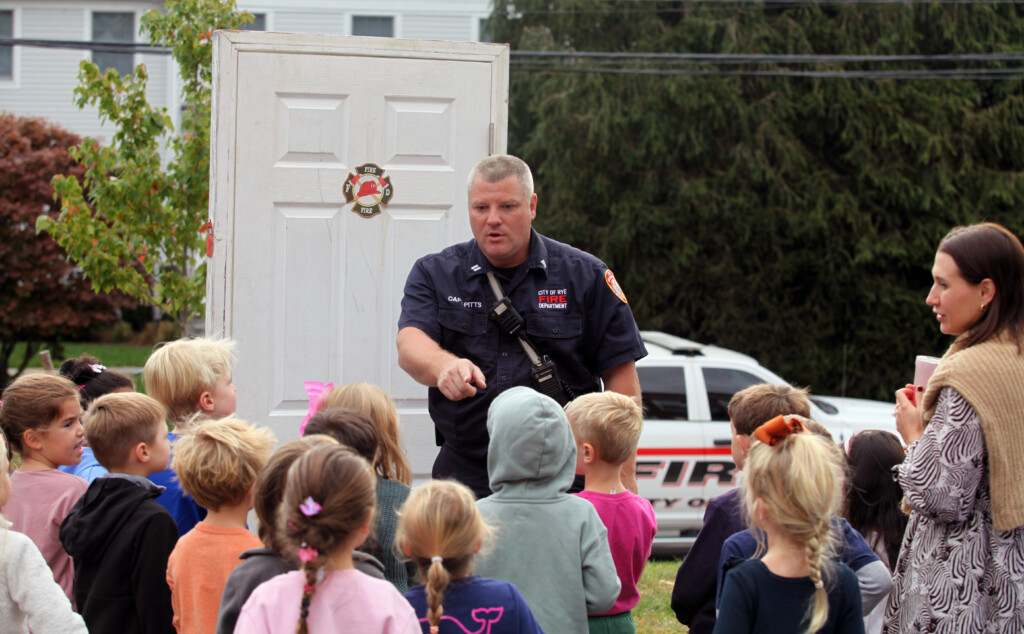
(325,22)
(46,77)
(438,27)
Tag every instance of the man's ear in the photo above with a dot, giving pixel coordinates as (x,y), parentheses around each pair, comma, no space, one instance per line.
(206,402)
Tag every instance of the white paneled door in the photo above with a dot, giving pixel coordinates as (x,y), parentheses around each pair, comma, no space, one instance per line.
(307,283)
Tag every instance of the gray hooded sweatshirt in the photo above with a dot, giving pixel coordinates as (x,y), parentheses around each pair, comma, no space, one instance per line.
(551,545)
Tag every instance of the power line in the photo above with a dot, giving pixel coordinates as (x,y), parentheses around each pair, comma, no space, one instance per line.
(755,58)
(997,74)
(106,47)
(732,5)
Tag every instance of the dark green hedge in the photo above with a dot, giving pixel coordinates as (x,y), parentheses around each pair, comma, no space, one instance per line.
(791,218)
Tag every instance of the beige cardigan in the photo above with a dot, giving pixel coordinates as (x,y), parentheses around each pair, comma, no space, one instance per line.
(990,376)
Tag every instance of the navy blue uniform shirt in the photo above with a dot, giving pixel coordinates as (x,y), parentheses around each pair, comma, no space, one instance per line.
(574,312)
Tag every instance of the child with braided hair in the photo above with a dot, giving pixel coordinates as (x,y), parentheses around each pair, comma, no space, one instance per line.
(792,488)
(441,529)
(326,513)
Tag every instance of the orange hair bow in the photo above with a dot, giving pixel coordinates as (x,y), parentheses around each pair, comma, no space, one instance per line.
(775,431)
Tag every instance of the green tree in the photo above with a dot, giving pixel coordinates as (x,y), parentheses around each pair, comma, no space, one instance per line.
(793,217)
(43,298)
(131,221)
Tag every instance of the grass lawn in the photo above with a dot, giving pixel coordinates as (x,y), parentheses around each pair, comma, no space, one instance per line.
(110,354)
(653,615)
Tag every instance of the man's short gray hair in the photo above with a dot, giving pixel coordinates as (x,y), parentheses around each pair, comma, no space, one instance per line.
(499,167)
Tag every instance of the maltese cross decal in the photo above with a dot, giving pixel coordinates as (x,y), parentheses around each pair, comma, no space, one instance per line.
(368,189)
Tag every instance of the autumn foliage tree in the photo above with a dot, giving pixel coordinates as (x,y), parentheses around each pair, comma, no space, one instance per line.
(43,298)
(133,218)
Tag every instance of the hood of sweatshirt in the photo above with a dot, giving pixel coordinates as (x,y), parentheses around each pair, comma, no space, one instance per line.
(97,518)
(532,452)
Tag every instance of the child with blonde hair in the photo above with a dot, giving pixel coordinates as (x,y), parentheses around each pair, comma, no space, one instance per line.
(272,559)
(695,591)
(393,473)
(118,535)
(192,379)
(40,415)
(441,529)
(29,596)
(217,462)
(326,512)
(792,489)
(607,429)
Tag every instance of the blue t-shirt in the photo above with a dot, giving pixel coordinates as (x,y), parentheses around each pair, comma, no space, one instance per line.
(88,469)
(854,550)
(476,604)
(181,506)
(756,600)
(574,312)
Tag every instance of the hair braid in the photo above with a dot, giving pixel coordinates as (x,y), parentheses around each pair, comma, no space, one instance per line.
(818,569)
(438,579)
(313,570)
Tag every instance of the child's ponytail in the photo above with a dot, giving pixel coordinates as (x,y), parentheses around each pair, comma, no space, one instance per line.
(329,495)
(817,564)
(438,579)
(314,571)
(440,528)
(797,475)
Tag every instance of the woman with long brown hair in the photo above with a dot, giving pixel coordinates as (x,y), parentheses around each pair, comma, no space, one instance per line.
(961,564)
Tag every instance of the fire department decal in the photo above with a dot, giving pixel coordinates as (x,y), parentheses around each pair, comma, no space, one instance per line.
(369,189)
(613,284)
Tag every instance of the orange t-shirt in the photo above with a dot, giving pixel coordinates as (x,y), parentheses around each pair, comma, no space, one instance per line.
(197,571)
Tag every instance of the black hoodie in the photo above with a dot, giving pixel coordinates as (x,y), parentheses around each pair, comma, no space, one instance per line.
(120,539)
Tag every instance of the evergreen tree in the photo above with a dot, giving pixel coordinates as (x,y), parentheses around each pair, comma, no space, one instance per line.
(788,210)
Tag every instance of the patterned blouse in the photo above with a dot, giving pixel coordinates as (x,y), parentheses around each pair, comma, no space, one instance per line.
(955,572)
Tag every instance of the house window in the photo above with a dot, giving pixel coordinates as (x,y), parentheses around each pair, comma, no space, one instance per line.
(259,23)
(114,28)
(485,33)
(377,26)
(7,52)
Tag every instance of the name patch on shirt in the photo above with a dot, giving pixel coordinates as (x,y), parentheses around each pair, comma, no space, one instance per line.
(553,298)
(454,299)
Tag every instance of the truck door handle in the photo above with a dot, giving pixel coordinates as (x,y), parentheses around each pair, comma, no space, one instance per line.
(723,443)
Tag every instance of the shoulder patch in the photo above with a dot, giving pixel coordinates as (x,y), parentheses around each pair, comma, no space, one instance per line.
(613,284)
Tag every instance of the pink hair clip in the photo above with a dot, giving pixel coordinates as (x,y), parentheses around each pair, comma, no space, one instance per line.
(315,390)
(309,507)
(307,553)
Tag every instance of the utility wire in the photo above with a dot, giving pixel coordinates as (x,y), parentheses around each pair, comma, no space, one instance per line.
(534,61)
(756,58)
(999,74)
(106,47)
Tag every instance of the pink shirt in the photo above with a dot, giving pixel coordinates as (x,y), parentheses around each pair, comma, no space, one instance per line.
(39,502)
(345,601)
(631,527)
